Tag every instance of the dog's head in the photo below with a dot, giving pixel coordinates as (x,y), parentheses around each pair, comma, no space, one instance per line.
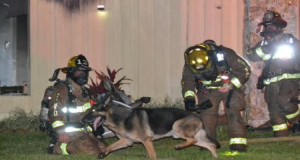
(99,109)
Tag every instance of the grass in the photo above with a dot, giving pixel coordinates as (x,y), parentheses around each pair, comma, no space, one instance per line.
(32,145)
(19,139)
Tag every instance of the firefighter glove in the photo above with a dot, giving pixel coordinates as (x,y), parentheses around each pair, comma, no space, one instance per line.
(190,105)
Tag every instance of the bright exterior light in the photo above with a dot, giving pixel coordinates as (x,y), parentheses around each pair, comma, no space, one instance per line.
(101,8)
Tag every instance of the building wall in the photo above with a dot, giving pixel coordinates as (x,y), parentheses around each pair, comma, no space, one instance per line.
(145,37)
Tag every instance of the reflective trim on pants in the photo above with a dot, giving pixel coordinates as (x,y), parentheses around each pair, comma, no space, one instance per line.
(293,115)
(63,148)
(238,141)
(279,127)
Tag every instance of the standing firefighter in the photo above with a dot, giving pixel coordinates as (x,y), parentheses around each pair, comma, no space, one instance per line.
(70,102)
(217,73)
(281,72)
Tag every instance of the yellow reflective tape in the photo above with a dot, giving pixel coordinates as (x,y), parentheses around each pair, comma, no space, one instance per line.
(259,52)
(214,87)
(281,77)
(206,82)
(55,105)
(73,129)
(89,129)
(56,124)
(55,113)
(218,79)
(189,93)
(63,148)
(293,115)
(266,57)
(86,106)
(238,141)
(280,127)
(56,98)
(235,81)
(78,109)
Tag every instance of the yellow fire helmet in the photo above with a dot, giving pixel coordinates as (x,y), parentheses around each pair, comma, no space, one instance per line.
(197,58)
(77,61)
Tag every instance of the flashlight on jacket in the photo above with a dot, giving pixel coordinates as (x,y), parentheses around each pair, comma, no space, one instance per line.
(284,52)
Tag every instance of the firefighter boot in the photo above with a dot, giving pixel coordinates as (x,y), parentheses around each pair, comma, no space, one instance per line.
(50,149)
(296,127)
(238,147)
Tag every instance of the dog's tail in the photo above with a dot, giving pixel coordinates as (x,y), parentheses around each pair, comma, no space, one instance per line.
(207,142)
(211,139)
(214,141)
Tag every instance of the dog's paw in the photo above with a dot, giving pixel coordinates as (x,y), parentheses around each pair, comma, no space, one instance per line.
(101,155)
(178,147)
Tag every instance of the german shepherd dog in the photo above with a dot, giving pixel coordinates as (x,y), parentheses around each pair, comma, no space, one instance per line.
(146,125)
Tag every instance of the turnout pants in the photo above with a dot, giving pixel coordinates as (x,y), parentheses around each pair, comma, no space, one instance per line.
(280,97)
(80,143)
(236,127)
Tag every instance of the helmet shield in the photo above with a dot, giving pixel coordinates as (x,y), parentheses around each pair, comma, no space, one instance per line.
(197,58)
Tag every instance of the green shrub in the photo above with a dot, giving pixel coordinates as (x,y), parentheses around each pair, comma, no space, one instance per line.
(19,120)
(166,102)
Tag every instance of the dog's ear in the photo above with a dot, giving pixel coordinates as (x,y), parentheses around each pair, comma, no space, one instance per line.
(107,100)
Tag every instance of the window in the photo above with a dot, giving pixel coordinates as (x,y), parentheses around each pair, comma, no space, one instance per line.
(14,50)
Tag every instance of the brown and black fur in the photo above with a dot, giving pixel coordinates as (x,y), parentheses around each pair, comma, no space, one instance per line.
(145,125)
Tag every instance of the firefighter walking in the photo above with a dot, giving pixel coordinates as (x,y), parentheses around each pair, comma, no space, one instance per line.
(281,73)
(218,74)
(69,104)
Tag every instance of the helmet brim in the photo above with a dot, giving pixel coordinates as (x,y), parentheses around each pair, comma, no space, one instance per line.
(65,69)
(279,22)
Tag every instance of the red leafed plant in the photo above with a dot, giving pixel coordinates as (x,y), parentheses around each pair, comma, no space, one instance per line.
(97,87)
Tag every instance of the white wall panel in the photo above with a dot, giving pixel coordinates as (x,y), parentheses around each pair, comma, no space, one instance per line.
(145,37)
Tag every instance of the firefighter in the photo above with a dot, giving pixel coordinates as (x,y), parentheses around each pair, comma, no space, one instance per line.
(281,73)
(70,102)
(218,74)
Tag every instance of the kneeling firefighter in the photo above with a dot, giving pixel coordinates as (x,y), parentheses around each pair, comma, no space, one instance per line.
(70,102)
(218,74)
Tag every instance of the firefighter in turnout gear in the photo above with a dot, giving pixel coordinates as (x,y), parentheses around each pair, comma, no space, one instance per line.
(70,102)
(218,74)
(280,76)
